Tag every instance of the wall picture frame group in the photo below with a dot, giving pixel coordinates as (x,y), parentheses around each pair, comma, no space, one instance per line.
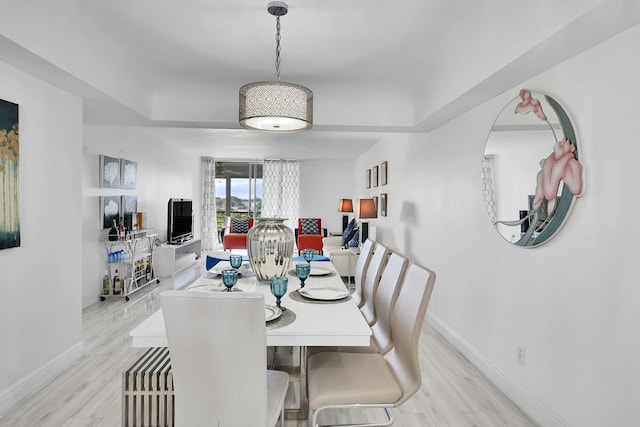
(118,173)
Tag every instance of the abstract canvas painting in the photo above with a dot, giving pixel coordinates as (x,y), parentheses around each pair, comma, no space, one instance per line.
(9,188)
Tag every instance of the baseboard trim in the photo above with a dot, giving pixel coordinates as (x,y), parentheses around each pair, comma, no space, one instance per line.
(535,409)
(40,377)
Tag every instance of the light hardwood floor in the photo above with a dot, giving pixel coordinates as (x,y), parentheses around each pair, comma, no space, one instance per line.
(453,393)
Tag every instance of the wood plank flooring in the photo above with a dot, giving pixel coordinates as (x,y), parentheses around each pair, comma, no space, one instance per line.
(453,393)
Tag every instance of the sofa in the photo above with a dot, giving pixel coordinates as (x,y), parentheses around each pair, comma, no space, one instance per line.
(342,255)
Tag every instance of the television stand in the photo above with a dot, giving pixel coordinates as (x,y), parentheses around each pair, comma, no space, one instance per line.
(168,259)
(181,241)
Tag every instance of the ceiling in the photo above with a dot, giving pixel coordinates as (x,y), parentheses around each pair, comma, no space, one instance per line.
(375,67)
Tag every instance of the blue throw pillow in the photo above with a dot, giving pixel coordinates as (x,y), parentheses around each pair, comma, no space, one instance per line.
(347,235)
(355,240)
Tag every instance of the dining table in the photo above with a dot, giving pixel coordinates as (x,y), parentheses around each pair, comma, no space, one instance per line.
(320,314)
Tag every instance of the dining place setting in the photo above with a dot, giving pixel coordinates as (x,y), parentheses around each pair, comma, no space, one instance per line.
(224,277)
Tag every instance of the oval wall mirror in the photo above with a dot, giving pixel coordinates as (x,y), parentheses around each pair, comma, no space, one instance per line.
(531,172)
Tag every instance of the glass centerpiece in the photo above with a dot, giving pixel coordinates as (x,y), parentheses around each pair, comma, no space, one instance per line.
(270,248)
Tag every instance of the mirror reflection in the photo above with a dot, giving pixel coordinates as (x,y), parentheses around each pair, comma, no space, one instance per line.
(531,171)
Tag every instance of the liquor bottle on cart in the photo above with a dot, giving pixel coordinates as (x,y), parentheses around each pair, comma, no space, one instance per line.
(106,283)
(117,284)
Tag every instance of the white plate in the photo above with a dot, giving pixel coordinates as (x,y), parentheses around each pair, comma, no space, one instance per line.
(319,271)
(271,312)
(214,272)
(324,294)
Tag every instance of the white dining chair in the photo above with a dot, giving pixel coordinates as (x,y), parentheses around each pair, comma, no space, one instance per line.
(347,380)
(385,301)
(372,279)
(217,346)
(361,266)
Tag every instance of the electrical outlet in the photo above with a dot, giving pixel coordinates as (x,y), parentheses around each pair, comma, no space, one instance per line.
(521,355)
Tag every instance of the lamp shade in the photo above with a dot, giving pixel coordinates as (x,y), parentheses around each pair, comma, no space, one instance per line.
(276,107)
(368,209)
(346,205)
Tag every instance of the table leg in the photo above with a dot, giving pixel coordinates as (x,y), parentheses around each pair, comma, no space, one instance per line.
(301,412)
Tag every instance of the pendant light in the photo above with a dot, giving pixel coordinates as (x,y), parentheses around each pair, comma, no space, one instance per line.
(276,106)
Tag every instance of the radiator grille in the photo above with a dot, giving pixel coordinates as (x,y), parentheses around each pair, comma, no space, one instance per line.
(147,396)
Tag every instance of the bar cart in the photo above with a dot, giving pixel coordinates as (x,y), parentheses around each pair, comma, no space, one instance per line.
(131,260)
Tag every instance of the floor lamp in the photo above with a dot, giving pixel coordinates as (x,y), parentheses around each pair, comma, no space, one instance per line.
(346,205)
(367,210)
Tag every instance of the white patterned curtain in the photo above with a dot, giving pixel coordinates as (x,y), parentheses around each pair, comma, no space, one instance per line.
(209,216)
(488,189)
(281,190)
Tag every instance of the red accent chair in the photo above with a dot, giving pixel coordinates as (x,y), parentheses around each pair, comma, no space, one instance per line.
(309,234)
(234,239)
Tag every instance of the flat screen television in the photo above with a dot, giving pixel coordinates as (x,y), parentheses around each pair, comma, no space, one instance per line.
(179,221)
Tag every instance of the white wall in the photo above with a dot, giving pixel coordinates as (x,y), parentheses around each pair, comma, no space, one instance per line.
(573,302)
(322,184)
(163,172)
(40,307)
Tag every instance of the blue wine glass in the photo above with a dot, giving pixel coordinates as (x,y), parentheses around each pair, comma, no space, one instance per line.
(279,289)
(235,261)
(229,278)
(308,255)
(302,271)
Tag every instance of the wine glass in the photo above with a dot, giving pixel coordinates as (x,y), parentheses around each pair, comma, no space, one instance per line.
(279,289)
(229,278)
(302,271)
(308,255)
(235,261)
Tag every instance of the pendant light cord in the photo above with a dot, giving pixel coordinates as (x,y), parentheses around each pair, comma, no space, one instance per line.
(278,48)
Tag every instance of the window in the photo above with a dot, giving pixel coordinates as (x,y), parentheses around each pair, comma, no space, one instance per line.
(238,190)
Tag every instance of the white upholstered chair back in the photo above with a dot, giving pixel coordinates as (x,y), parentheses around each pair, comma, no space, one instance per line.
(372,278)
(217,345)
(385,299)
(361,266)
(406,323)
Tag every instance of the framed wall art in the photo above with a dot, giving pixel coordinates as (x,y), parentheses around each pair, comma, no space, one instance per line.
(109,172)
(383,204)
(374,176)
(383,173)
(129,211)
(9,176)
(368,178)
(128,174)
(110,210)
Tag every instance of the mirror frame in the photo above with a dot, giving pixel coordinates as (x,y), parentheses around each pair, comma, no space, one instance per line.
(566,200)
